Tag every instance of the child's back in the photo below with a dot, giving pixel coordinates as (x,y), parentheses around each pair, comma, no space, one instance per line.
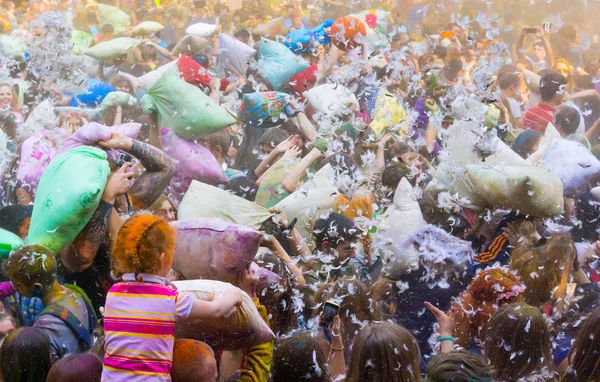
(139,324)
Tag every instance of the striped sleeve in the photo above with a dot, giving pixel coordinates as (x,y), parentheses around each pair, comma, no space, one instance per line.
(183,305)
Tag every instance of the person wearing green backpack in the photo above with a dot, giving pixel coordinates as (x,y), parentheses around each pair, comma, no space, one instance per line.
(68,318)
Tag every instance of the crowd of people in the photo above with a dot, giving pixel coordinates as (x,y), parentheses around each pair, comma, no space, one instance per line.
(396,190)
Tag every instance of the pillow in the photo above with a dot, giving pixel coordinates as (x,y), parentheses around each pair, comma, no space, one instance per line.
(574,164)
(107,50)
(183,108)
(278,64)
(205,201)
(211,248)
(68,194)
(233,55)
(241,330)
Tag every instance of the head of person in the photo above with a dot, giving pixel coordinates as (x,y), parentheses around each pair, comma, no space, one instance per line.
(527,143)
(562,67)
(393,174)
(585,352)
(384,352)
(279,297)
(440,52)
(164,208)
(218,144)
(336,234)
(16,219)
(253,19)
(354,299)
(108,30)
(300,358)
(488,291)
(32,270)
(569,33)
(92,18)
(7,324)
(295,16)
(193,361)
(567,120)
(9,124)
(552,87)
(456,30)
(7,97)
(70,121)
(538,52)
(123,84)
(149,53)
(545,269)
(271,138)
(243,35)
(452,70)
(83,367)
(583,82)
(202,59)
(518,343)
(25,356)
(458,366)
(509,80)
(144,244)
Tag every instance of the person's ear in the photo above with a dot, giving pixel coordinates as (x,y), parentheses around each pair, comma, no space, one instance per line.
(325,246)
(36,289)
(219,150)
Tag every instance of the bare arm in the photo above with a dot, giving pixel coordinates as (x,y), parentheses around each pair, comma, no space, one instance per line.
(272,243)
(81,254)
(164,52)
(159,171)
(519,46)
(547,48)
(118,115)
(290,182)
(306,127)
(216,308)
(298,243)
(159,168)
(337,361)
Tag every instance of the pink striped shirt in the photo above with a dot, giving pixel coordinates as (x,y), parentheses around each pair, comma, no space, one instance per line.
(139,326)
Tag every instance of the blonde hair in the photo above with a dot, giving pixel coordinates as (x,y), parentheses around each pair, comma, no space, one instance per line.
(14,106)
(545,269)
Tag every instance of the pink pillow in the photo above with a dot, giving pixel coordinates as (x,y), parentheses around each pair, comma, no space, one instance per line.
(211,248)
(194,162)
(91,133)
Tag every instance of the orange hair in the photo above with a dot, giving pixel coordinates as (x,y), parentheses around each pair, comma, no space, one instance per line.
(474,308)
(140,243)
(359,206)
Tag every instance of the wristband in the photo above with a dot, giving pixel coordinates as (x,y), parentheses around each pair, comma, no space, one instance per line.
(445,339)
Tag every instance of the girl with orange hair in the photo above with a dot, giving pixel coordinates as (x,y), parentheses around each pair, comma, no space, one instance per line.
(473,309)
(141,311)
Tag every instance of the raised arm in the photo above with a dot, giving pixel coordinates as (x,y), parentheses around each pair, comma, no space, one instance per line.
(216,308)
(78,256)
(547,47)
(159,169)
(519,45)
(165,52)
(290,182)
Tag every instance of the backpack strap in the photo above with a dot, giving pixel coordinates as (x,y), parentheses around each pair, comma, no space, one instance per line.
(71,320)
(92,318)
